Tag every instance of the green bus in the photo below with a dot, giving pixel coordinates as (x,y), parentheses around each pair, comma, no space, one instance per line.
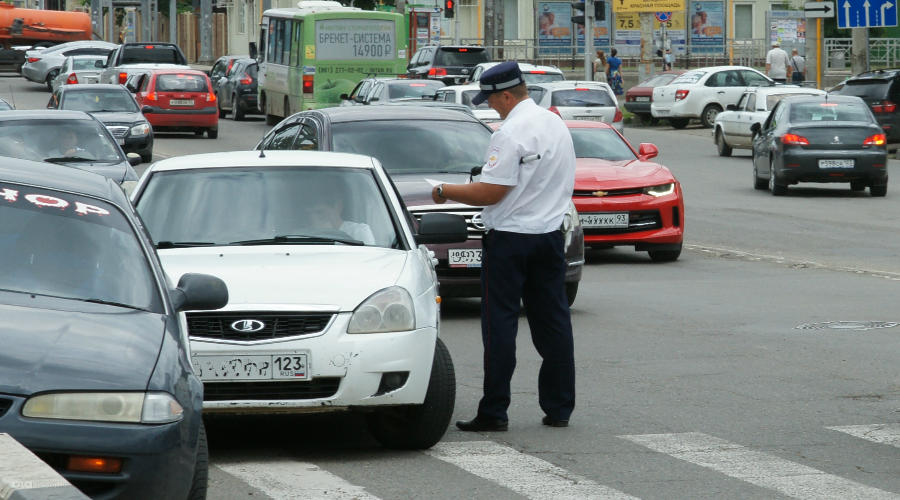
(310,55)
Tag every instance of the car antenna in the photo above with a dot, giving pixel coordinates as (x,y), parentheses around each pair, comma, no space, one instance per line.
(262,150)
(13,95)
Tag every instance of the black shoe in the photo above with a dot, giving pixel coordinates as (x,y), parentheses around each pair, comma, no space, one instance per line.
(555,423)
(479,424)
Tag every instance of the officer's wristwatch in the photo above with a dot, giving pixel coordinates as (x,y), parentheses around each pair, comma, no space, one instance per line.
(440,190)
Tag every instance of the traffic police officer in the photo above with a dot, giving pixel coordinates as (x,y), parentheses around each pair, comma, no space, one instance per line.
(526,187)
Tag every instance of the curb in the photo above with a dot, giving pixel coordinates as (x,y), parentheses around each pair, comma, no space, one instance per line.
(23,476)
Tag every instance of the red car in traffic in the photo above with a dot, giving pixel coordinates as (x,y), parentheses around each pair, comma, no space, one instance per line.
(639,97)
(178,100)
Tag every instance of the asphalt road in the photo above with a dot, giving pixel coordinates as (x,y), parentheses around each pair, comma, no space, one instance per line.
(762,364)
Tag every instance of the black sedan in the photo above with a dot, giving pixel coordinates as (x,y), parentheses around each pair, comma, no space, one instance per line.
(820,139)
(113,105)
(94,370)
(419,146)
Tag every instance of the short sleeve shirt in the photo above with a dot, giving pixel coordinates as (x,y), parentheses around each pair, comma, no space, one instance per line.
(541,189)
(777,59)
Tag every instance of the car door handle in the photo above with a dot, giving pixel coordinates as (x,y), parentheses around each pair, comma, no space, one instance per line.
(721,92)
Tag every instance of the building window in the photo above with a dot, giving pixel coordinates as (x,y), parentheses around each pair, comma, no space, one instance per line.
(241,17)
(510,19)
(743,22)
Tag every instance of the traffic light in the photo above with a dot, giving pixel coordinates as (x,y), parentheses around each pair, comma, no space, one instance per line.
(576,8)
(448,8)
(599,10)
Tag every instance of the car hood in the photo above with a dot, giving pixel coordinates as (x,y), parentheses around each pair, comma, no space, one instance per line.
(597,174)
(107,117)
(316,277)
(106,349)
(416,188)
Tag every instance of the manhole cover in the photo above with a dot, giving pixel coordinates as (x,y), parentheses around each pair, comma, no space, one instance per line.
(847,325)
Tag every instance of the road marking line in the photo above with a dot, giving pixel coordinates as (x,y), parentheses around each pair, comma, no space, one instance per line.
(761,469)
(877,433)
(526,475)
(288,480)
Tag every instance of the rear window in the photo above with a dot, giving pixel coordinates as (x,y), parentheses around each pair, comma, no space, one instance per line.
(399,90)
(581,98)
(542,77)
(460,56)
(181,83)
(689,77)
(85,64)
(657,81)
(251,70)
(772,99)
(467,97)
(870,87)
(158,54)
(829,111)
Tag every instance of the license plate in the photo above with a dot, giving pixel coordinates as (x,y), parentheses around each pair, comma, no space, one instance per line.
(661,112)
(604,220)
(595,118)
(464,257)
(642,99)
(181,102)
(251,366)
(836,163)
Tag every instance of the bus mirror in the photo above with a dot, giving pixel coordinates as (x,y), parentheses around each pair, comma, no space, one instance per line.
(253,52)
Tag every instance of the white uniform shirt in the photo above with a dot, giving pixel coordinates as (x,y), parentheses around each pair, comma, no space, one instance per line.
(541,189)
(777,59)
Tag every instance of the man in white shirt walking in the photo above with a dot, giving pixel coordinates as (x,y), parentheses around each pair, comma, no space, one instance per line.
(777,64)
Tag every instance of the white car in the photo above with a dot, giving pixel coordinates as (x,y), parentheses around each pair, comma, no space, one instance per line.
(333,296)
(42,65)
(530,73)
(732,127)
(463,94)
(703,93)
(78,69)
(575,100)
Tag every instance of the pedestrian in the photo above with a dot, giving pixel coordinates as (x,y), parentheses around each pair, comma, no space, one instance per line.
(777,64)
(798,65)
(600,67)
(526,187)
(614,76)
(668,60)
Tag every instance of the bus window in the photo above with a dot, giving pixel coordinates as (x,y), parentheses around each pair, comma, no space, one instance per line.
(286,34)
(295,51)
(271,43)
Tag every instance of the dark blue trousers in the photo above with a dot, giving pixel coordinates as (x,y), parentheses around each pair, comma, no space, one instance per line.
(530,267)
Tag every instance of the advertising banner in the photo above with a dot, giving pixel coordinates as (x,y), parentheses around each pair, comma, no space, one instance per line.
(648,5)
(707,27)
(557,34)
(628,34)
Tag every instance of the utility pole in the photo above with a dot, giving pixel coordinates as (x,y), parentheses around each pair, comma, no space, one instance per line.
(498,27)
(97,18)
(588,40)
(859,50)
(173,14)
(489,26)
(645,67)
(205,31)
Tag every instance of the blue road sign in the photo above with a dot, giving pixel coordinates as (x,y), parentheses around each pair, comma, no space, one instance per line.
(663,16)
(866,13)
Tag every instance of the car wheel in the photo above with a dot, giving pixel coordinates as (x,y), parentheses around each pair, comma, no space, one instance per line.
(721,145)
(665,255)
(857,186)
(679,123)
(147,157)
(571,292)
(420,426)
(222,112)
(237,114)
(212,133)
(776,188)
(878,191)
(757,182)
(708,117)
(201,468)
(50,77)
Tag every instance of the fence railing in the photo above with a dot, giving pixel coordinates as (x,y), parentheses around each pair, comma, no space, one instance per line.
(883,53)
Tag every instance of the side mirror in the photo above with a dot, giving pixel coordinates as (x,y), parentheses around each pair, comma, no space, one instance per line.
(199,292)
(252,50)
(222,80)
(133,159)
(442,228)
(755,128)
(647,151)
(344,97)
(731,107)
(146,109)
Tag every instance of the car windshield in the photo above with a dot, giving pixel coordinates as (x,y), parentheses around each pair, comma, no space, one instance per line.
(658,80)
(283,205)
(65,245)
(600,143)
(460,56)
(542,77)
(689,77)
(874,88)
(180,82)
(467,97)
(82,64)
(581,97)
(75,140)
(431,146)
(804,112)
(399,90)
(99,100)
(772,99)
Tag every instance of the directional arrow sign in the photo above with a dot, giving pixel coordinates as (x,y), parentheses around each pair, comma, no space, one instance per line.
(865,13)
(819,9)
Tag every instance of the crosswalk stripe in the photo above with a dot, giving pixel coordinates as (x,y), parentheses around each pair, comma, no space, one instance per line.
(288,480)
(877,433)
(767,471)
(526,475)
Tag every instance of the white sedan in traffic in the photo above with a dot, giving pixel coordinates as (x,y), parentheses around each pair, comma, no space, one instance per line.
(577,100)
(333,303)
(463,94)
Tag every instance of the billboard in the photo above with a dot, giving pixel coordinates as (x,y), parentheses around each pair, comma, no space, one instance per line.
(557,34)
(707,28)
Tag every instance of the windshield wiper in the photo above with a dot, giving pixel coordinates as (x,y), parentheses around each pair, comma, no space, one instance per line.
(112,303)
(64,159)
(183,244)
(283,239)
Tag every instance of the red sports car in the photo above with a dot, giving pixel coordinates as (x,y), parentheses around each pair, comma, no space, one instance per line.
(622,198)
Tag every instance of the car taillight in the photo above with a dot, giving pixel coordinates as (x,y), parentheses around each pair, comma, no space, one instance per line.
(618,117)
(34,59)
(308,84)
(875,140)
(794,139)
(123,77)
(554,109)
(210,97)
(437,72)
(72,79)
(884,107)
(152,96)
(681,94)
(246,80)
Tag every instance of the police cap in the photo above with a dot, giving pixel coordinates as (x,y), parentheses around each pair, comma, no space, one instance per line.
(503,76)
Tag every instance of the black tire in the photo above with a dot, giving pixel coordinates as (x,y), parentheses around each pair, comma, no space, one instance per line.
(212,133)
(571,292)
(708,116)
(878,191)
(679,123)
(237,114)
(757,182)
(222,113)
(721,145)
(665,255)
(201,468)
(776,188)
(50,77)
(198,132)
(146,157)
(857,186)
(418,427)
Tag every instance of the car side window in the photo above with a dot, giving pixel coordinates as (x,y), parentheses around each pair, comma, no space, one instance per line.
(376,92)
(751,101)
(742,103)
(283,139)
(355,91)
(307,137)
(414,61)
(752,78)
(476,74)
(217,71)
(363,90)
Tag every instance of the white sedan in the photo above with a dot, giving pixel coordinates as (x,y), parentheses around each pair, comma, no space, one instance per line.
(577,100)
(704,93)
(732,127)
(78,69)
(333,295)
(463,94)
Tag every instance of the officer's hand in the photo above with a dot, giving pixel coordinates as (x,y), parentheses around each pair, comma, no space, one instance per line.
(435,197)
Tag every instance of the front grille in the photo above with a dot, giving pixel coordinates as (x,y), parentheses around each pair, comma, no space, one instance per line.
(473,220)
(316,388)
(643,220)
(219,325)
(117,131)
(5,405)
(614,192)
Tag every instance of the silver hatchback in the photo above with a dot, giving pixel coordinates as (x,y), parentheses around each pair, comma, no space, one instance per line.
(574,100)
(42,65)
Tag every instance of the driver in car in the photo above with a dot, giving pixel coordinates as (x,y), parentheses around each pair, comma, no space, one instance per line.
(326,211)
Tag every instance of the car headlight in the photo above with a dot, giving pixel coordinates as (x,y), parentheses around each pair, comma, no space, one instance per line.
(387,310)
(132,407)
(660,190)
(140,129)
